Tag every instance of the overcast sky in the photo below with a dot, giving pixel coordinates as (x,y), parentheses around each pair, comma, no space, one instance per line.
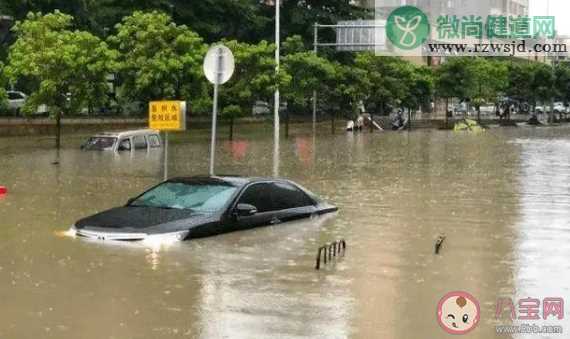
(558,8)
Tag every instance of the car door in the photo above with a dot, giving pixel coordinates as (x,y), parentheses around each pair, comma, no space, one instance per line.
(290,203)
(258,195)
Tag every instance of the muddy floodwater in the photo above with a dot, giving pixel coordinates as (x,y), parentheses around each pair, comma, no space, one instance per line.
(502,199)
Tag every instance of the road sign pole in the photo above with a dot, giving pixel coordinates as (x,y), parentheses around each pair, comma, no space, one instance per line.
(214,123)
(218,80)
(219,65)
(165,155)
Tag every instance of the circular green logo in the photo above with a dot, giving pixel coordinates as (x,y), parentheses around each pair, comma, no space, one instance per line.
(407,27)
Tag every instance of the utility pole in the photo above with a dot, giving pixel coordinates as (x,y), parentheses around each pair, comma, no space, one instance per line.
(277,103)
(315,50)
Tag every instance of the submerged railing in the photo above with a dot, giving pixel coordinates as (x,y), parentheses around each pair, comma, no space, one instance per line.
(326,253)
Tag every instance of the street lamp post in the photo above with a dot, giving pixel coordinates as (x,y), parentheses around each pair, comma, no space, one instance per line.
(277,104)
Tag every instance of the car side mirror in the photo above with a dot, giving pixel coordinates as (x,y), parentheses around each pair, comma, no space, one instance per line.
(245,210)
(130,201)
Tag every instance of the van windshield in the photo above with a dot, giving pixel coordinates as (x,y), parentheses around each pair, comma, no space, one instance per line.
(99,143)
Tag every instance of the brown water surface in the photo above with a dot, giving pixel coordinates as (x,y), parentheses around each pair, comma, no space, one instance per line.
(501,198)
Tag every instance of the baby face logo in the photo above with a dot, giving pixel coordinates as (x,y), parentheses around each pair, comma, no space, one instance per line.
(407,27)
(458,312)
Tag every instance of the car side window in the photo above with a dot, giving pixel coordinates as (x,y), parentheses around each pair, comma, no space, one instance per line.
(140,142)
(125,145)
(258,195)
(153,140)
(285,196)
(14,96)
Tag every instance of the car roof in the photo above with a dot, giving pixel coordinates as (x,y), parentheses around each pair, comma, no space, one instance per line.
(233,180)
(125,133)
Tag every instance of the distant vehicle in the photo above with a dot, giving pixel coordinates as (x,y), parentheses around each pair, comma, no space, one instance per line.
(17,100)
(260,108)
(559,107)
(195,207)
(462,109)
(263,108)
(123,141)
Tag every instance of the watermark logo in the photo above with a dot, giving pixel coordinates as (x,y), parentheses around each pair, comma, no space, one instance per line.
(408,27)
(530,311)
(458,312)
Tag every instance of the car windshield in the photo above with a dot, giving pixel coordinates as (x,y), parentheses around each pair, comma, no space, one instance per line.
(197,197)
(99,143)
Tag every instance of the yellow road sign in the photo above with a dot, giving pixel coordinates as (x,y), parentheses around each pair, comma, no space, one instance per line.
(167,115)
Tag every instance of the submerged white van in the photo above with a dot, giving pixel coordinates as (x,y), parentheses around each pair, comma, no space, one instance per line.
(144,139)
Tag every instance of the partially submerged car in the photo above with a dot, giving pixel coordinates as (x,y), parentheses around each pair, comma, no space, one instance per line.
(195,207)
(123,141)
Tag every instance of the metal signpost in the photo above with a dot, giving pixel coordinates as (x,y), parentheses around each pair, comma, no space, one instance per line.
(167,116)
(219,66)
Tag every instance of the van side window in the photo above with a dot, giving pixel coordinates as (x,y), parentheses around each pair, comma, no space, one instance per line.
(140,142)
(153,140)
(125,145)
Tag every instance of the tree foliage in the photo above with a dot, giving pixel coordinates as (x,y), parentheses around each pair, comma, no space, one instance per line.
(159,59)
(308,72)
(490,80)
(455,78)
(3,94)
(69,67)
(254,77)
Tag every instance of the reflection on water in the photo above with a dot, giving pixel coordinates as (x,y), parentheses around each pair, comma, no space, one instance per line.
(501,198)
(543,229)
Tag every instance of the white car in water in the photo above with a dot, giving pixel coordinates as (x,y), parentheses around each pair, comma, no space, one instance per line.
(144,139)
(17,100)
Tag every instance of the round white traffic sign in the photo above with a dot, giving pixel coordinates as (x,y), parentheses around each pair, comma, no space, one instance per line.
(219,64)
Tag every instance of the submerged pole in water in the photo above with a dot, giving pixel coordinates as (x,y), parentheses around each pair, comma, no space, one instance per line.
(439,243)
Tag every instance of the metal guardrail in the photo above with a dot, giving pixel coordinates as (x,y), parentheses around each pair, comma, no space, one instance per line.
(326,253)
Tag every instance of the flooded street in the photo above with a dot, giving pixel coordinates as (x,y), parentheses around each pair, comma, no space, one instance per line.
(502,199)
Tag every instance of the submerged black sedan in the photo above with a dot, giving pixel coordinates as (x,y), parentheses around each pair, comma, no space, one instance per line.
(197,207)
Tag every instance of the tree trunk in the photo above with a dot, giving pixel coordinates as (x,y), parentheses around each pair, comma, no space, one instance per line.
(58,130)
(287,124)
(232,127)
(409,119)
(332,123)
(446,111)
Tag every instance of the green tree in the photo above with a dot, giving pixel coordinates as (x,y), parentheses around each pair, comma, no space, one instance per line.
(420,89)
(212,19)
(159,60)
(562,83)
(3,94)
(455,79)
(542,84)
(389,80)
(490,80)
(299,16)
(254,79)
(308,73)
(69,67)
(519,84)
(343,92)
